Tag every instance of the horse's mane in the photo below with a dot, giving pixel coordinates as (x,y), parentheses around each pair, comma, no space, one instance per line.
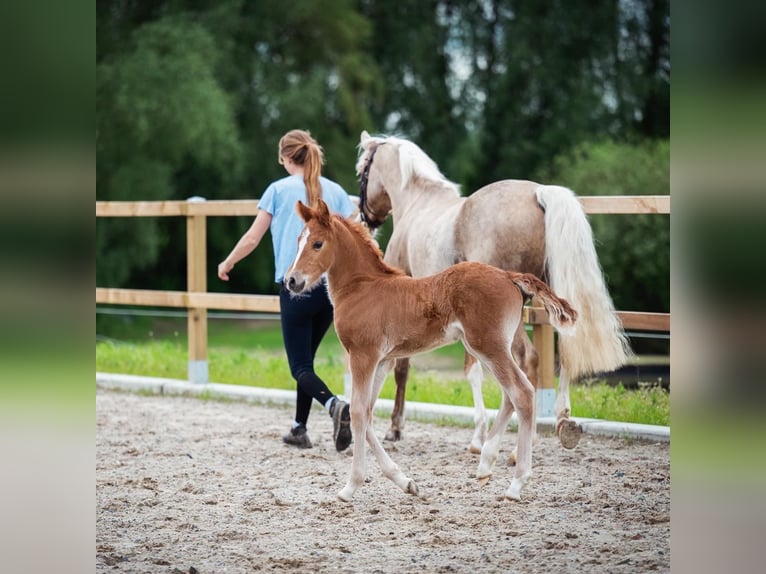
(364,235)
(413,162)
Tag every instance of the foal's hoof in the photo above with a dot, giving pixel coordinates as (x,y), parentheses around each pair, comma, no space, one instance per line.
(514,490)
(569,433)
(483,480)
(393,435)
(412,488)
(345,495)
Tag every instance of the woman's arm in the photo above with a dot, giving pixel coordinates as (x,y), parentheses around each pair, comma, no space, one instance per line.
(247,243)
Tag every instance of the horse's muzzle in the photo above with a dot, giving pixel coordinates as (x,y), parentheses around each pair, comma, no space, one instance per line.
(295,284)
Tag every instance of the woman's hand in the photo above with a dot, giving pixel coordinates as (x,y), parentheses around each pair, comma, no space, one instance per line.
(223,270)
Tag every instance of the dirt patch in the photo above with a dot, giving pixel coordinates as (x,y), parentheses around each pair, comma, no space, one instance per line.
(185,484)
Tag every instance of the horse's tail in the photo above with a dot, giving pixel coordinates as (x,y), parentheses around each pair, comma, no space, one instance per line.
(599,343)
(560,312)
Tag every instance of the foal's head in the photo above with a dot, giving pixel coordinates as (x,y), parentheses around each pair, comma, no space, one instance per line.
(316,252)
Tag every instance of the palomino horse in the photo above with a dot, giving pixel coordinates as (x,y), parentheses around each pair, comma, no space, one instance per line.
(382,314)
(514,225)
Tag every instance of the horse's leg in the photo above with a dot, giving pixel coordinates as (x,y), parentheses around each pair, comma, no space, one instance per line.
(389,468)
(362,400)
(522,394)
(568,431)
(401,373)
(475,375)
(492,445)
(387,465)
(527,358)
(518,393)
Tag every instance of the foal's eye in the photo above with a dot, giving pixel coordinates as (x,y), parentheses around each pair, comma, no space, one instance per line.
(317,245)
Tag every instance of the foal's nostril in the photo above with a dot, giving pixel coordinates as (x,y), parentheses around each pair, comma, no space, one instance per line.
(291,283)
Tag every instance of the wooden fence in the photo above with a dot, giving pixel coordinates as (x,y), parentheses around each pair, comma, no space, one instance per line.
(197,300)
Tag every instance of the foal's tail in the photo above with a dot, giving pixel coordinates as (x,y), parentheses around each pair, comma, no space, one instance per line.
(560,312)
(573,271)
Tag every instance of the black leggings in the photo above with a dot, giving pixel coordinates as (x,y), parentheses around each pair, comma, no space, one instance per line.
(305,320)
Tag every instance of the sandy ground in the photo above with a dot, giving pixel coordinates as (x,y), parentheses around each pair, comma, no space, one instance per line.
(187,485)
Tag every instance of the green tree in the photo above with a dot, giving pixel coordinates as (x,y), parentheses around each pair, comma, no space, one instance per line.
(415,46)
(495,89)
(160,110)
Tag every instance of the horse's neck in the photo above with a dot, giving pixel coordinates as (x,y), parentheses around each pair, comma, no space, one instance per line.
(355,258)
(422,197)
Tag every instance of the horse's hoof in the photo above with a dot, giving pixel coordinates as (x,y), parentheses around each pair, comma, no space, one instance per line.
(514,490)
(393,435)
(512,459)
(412,488)
(483,480)
(473,449)
(569,433)
(344,496)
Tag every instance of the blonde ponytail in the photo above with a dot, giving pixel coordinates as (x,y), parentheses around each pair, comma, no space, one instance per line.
(303,150)
(312,169)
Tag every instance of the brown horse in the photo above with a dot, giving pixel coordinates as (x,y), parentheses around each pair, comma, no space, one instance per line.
(382,314)
(514,225)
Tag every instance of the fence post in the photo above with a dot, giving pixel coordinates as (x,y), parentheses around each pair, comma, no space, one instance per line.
(196,280)
(545,394)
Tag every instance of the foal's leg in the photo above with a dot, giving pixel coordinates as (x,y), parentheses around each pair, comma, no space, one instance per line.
(525,354)
(519,392)
(569,431)
(527,358)
(475,375)
(401,373)
(362,399)
(491,446)
(368,394)
(522,394)
(387,466)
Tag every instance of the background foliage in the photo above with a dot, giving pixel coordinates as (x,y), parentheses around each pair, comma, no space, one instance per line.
(193,95)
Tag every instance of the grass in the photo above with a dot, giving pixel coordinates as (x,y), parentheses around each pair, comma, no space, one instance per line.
(251,353)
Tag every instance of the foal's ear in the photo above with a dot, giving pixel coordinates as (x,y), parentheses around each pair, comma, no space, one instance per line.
(364,138)
(304,211)
(322,213)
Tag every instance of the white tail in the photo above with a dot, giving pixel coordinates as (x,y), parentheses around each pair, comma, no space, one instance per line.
(598,344)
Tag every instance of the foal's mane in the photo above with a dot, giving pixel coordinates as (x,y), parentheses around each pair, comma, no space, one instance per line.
(413,162)
(365,238)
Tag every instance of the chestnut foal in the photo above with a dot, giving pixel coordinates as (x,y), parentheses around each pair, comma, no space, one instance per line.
(382,314)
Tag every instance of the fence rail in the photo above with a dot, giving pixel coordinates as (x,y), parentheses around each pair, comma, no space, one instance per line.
(197,300)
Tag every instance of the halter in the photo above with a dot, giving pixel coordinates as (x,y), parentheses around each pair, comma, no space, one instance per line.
(363,190)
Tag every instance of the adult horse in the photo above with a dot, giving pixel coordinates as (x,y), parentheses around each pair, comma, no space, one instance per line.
(476,303)
(515,225)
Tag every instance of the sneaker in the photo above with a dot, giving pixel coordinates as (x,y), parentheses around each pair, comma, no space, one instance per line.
(297,437)
(341,424)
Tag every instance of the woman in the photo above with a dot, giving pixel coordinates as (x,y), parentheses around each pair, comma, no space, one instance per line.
(305,319)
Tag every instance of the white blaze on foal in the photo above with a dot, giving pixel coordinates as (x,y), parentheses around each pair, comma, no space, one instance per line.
(303,238)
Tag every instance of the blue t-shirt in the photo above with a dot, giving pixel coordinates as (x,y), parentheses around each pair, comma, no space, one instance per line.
(279,200)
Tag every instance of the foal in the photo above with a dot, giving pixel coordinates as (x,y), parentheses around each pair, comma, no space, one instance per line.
(382,314)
